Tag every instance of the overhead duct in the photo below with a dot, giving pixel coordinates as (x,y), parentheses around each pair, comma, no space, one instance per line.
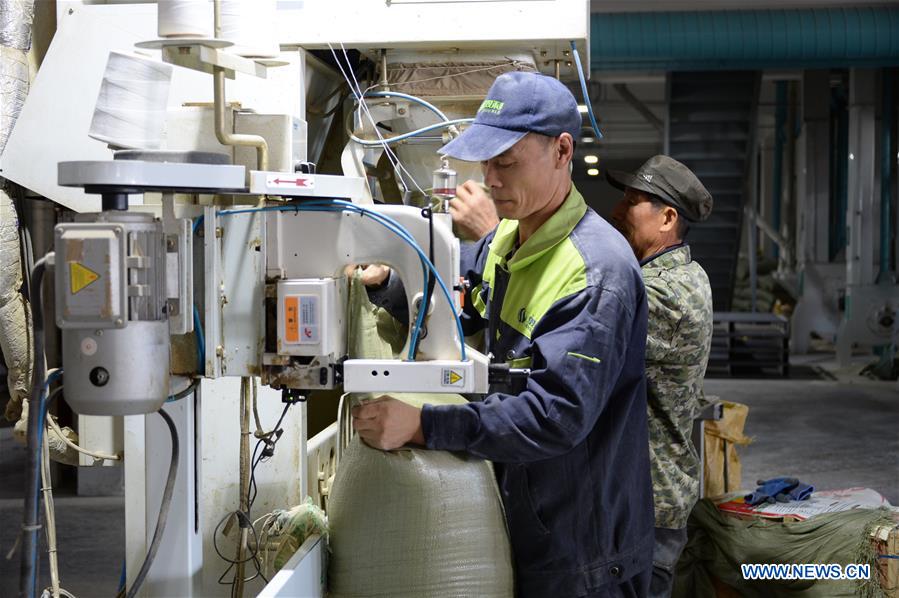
(15,339)
(745,39)
(16,18)
(13,89)
(15,342)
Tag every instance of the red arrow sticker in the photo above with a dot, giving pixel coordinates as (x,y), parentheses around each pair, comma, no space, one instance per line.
(297,182)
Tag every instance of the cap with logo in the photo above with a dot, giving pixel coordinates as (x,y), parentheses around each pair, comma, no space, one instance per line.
(670,181)
(517,103)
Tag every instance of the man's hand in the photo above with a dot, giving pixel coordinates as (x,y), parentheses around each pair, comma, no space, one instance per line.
(373,275)
(474,214)
(388,424)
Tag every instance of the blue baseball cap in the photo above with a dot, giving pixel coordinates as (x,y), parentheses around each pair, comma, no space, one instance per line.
(517,103)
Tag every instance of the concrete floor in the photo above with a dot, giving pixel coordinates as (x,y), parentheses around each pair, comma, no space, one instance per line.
(829,433)
(90,532)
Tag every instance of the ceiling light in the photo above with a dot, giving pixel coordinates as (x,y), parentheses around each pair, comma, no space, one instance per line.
(593,172)
(582,108)
(591,159)
(591,140)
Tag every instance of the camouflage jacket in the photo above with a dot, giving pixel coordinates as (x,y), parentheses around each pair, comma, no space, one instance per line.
(679,336)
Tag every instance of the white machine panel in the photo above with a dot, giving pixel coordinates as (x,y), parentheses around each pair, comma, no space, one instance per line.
(439,375)
(161,175)
(306,185)
(303,575)
(311,318)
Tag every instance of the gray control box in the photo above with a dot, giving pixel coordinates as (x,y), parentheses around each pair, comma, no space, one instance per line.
(91,277)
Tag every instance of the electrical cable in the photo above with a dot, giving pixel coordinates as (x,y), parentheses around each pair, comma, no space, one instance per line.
(244,481)
(406,96)
(163,508)
(415,133)
(54,591)
(357,92)
(31,517)
(429,290)
(174,379)
(254,556)
(215,533)
(123,578)
(238,582)
(52,423)
(364,108)
(259,433)
(201,342)
(198,326)
(26,249)
(580,73)
(266,454)
(264,534)
(252,489)
(356,89)
(49,513)
(187,391)
(247,496)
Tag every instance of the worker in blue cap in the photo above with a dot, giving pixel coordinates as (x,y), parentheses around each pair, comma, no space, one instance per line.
(558,290)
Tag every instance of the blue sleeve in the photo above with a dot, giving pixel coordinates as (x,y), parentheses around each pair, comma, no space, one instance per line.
(391,296)
(578,351)
(472,256)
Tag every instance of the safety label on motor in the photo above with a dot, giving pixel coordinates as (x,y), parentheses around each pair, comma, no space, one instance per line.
(80,276)
(453,378)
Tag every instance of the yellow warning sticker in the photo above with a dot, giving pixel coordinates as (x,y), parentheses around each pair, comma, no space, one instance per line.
(452,378)
(80,276)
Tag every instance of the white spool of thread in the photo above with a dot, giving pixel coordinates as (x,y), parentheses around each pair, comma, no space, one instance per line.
(250,25)
(131,106)
(185,18)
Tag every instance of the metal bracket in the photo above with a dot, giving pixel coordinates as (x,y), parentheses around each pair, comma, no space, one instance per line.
(203,55)
(179,278)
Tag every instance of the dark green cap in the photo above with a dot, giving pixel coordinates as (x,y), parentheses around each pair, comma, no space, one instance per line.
(671,182)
